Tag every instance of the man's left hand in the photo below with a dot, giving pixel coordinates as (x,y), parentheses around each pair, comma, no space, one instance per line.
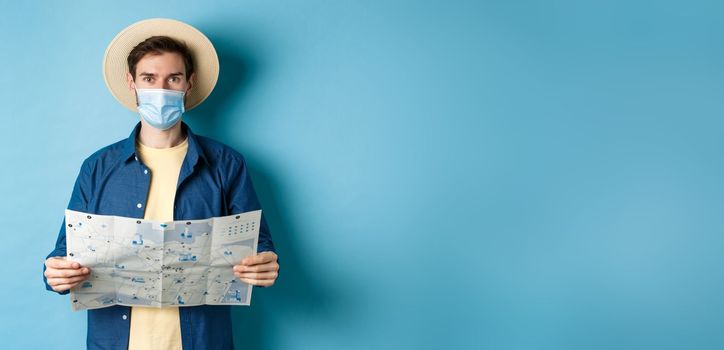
(259,270)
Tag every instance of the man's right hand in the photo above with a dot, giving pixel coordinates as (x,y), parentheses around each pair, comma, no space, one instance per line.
(63,275)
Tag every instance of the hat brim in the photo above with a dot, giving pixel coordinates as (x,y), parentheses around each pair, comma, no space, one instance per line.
(115,64)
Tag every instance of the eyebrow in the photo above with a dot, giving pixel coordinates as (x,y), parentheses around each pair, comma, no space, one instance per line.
(145,74)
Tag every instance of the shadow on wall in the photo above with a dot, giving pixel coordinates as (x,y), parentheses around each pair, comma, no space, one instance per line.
(297,293)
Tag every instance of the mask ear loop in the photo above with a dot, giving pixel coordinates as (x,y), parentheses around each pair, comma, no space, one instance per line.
(135,92)
(186,93)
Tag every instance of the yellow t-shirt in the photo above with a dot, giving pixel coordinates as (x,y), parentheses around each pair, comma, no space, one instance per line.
(154,328)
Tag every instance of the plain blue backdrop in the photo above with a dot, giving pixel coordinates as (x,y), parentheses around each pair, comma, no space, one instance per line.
(437,174)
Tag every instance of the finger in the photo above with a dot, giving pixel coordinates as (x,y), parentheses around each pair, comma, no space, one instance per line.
(61,263)
(255,282)
(65,273)
(61,281)
(66,280)
(273,266)
(257,275)
(261,258)
(64,287)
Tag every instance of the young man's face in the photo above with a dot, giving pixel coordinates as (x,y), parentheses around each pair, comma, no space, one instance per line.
(164,71)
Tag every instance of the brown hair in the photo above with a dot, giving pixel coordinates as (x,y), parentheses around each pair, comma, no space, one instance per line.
(157,45)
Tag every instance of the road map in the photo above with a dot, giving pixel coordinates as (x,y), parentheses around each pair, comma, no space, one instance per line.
(137,262)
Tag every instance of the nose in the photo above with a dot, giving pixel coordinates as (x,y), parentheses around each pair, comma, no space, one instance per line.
(166,85)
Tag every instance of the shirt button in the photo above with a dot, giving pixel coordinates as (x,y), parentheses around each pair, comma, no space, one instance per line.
(145,171)
(136,158)
(139,205)
(124,317)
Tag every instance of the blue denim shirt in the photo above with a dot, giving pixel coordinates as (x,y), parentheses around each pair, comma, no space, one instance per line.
(213,181)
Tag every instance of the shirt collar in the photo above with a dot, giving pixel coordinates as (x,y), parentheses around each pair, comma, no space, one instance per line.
(194,153)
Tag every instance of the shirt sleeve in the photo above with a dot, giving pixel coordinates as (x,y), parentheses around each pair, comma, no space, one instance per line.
(241,197)
(79,202)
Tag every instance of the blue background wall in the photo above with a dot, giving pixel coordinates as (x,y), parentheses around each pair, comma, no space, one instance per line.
(457,174)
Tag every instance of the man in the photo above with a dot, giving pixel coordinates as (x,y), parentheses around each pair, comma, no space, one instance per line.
(165,172)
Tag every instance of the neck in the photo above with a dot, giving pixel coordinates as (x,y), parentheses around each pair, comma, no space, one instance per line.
(154,138)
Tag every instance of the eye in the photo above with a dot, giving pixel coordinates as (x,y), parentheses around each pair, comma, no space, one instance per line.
(146,78)
(174,79)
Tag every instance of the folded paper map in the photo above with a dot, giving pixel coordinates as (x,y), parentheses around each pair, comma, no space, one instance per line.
(137,262)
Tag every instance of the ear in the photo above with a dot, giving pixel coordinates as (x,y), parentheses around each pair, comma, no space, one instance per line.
(131,85)
(191,82)
(129,80)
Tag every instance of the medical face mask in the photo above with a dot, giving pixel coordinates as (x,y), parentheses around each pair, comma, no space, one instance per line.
(160,108)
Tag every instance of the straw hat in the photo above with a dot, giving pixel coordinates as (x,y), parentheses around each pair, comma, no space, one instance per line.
(115,65)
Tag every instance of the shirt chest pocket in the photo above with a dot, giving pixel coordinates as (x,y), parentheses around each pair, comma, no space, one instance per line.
(199,200)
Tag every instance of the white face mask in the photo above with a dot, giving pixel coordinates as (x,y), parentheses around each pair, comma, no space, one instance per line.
(160,108)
